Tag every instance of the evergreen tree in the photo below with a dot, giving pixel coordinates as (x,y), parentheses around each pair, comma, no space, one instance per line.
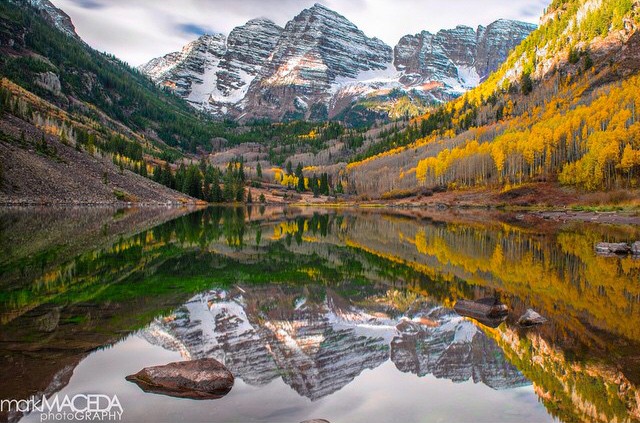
(166,177)
(241,174)
(324,184)
(227,192)
(300,176)
(526,83)
(240,195)
(216,195)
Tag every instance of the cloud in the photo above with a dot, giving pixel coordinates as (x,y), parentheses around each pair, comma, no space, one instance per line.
(89,4)
(192,29)
(139,30)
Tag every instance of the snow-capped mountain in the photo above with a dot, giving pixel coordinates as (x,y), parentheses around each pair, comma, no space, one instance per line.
(459,58)
(320,63)
(214,71)
(317,47)
(189,72)
(318,348)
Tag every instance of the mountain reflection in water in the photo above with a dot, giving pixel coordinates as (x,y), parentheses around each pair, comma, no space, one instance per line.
(318,342)
(316,299)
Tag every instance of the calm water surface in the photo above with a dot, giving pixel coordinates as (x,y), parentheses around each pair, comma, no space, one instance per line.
(341,315)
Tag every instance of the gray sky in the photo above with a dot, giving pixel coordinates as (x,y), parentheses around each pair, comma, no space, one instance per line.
(139,30)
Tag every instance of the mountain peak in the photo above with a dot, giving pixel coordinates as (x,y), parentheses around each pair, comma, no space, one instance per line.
(55,16)
(319,6)
(211,37)
(319,10)
(268,71)
(260,21)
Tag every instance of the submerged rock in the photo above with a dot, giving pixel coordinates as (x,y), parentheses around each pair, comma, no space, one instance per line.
(612,248)
(531,318)
(198,379)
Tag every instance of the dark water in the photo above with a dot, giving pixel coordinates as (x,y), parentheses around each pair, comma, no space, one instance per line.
(341,315)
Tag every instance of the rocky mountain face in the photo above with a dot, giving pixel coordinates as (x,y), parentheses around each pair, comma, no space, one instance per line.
(55,16)
(189,71)
(321,63)
(460,58)
(214,71)
(318,348)
(317,49)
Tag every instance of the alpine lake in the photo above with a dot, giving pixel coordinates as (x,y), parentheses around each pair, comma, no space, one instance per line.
(337,314)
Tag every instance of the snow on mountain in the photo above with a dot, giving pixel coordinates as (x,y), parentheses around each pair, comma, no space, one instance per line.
(318,348)
(316,48)
(55,16)
(190,72)
(320,63)
(215,71)
(459,58)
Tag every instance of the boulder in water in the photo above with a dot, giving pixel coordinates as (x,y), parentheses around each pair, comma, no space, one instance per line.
(197,379)
(531,318)
(488,311)
(612,248)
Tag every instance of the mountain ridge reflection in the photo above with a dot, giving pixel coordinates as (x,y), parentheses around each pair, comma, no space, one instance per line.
(315,297)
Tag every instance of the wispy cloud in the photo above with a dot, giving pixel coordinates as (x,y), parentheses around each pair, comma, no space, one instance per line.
(139,30)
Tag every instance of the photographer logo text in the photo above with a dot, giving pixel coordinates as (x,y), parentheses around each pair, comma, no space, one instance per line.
(80,407)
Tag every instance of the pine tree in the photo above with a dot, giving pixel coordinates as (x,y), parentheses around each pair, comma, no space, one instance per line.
(300,176)
(259,171)
(240,195)
(216,193)
(324,184)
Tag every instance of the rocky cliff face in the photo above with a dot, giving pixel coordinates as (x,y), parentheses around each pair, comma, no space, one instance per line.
(317,48)
(214,72)
(248,49)
(320,63)
(189,72)
(319,348)
(459,58)
(55,16)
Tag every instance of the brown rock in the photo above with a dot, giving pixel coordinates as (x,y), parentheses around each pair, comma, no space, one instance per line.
(488,311)
(612,248)
(198,379)
(531,318)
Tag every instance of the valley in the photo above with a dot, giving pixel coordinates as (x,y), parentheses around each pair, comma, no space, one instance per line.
(498,109)
(282,215)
